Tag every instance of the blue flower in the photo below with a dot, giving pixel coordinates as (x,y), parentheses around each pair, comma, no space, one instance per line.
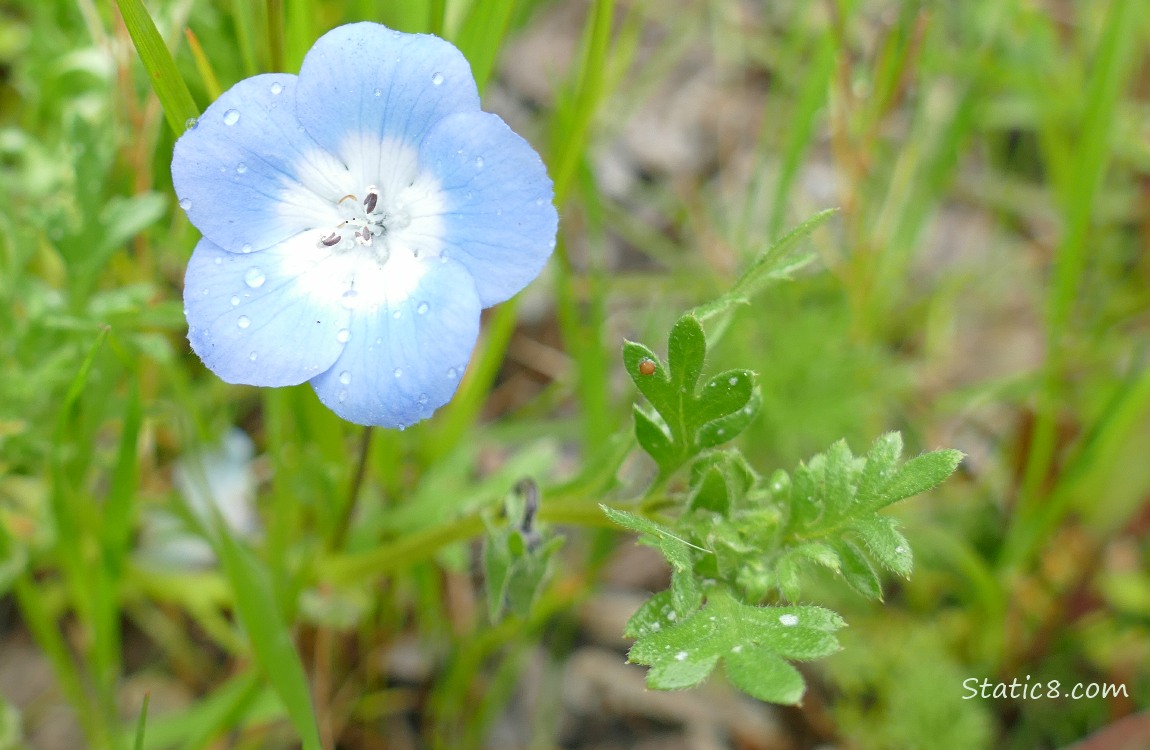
(356,218)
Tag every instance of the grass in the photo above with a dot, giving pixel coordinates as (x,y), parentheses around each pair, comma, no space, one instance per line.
(984,285)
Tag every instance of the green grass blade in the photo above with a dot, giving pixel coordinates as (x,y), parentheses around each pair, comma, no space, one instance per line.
(141,725)
(179,107)
(481,36)
(270,638)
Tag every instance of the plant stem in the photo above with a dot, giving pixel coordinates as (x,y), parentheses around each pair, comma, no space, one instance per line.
(339,536)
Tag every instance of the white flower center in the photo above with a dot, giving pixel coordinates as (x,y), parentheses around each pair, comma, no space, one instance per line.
(366,223)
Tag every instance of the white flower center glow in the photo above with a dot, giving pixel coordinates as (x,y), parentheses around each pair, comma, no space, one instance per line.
(366,223)
(377,218)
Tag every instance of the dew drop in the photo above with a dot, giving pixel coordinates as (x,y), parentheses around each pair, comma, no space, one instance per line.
(243,321)
(342,395)
(733,381)
(191,123)
(672,616)
(900,549)
(656,627)
(347,299)
(398,372)
(538,201)
(246,249)
(205,291)
(479,162)
(736,649)
(681,656)
(378,341)
(241,168)
(277,88)
(345,377)
(437,78)
(451,373)
(254,278)
(789,620)
(468,195)
(219,261)
(253,357)
(423,308)
(423,399)
(231,117)
(186,204)
(235,301)
(397,314)
(378,92)
(343,335)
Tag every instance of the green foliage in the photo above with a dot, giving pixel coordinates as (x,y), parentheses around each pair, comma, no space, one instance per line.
(738,540)
(516,555)
(687,418)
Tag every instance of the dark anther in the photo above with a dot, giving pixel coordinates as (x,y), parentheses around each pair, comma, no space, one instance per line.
(370,201)
(331,240)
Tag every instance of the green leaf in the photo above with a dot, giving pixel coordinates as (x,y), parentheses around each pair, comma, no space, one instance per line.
(724,428)
(857,571)
(268,634)
(686,350)
(653,438)
(889,547)
(676,550)
(921,473)
(761,674)
(752,641)
(179,107)
(777,263)
(881,464)
(694,420)
(710,491)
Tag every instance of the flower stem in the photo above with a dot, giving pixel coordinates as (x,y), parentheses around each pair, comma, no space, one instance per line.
(339,536)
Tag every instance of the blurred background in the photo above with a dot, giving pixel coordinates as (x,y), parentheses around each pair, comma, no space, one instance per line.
(985,286)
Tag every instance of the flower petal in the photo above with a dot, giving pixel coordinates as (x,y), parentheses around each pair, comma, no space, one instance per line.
(249,176)
(364,88)
(271,318)
(498,219)
(406,354)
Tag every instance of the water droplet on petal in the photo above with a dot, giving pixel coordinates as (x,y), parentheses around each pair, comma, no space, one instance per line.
(423,308)
(397,314)
(398,372)
(254,277)
(186,204)
(437,78)
(246,249)
(451,373)
(479,162)
(191,123)
(789,620)
(241,168)
(231,117)
(235,301)
(423,399)
(342,396)
(253,356)
(205,291)
(348,298)
(219,261)
(243,321)
(345,377)
(277,88)
(378,92)
(343,335)
(733,381)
